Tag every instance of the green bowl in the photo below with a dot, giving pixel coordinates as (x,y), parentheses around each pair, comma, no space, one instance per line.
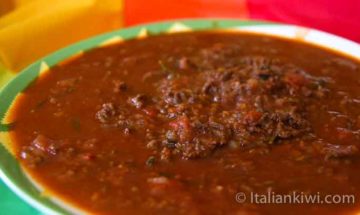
(16,178)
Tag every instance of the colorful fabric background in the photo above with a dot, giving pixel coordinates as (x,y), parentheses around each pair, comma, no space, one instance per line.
(334,16)
(30,29)
(45,27)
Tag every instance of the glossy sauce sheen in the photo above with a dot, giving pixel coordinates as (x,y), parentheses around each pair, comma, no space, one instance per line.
(178,124)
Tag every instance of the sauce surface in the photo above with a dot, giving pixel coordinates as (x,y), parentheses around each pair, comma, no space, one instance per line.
(181,123)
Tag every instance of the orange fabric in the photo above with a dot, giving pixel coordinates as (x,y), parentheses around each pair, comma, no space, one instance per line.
(138,11)
(6,6)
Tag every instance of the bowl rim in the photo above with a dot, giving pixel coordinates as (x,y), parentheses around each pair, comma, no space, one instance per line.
(12,173)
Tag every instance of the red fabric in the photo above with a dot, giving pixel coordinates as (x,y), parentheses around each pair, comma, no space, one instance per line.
(335,16)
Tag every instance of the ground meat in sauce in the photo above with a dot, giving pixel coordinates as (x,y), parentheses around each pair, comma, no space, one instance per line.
(254,101)
(179,124)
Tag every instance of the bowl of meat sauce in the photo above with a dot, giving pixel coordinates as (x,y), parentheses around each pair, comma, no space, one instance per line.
(188,117)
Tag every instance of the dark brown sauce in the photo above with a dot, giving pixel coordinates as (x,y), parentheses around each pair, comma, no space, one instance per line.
(181,123)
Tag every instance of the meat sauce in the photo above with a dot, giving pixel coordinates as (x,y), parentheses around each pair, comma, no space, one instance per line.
(182,123)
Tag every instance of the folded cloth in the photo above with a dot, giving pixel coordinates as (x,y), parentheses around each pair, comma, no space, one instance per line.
(37,27)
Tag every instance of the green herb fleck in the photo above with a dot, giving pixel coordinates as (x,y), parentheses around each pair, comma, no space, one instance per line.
(7,127)
(75,124)
(272,139)
(164,68)
(150,161)
(39,105)
(166,174)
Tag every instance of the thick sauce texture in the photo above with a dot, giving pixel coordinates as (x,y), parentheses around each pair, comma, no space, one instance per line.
(181,123)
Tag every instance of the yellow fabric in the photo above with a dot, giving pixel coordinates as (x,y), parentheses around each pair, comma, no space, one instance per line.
(37,27)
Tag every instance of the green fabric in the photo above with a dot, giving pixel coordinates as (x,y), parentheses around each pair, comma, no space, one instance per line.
(11,204)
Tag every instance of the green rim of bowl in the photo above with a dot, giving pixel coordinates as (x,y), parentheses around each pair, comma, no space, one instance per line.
(10,170)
